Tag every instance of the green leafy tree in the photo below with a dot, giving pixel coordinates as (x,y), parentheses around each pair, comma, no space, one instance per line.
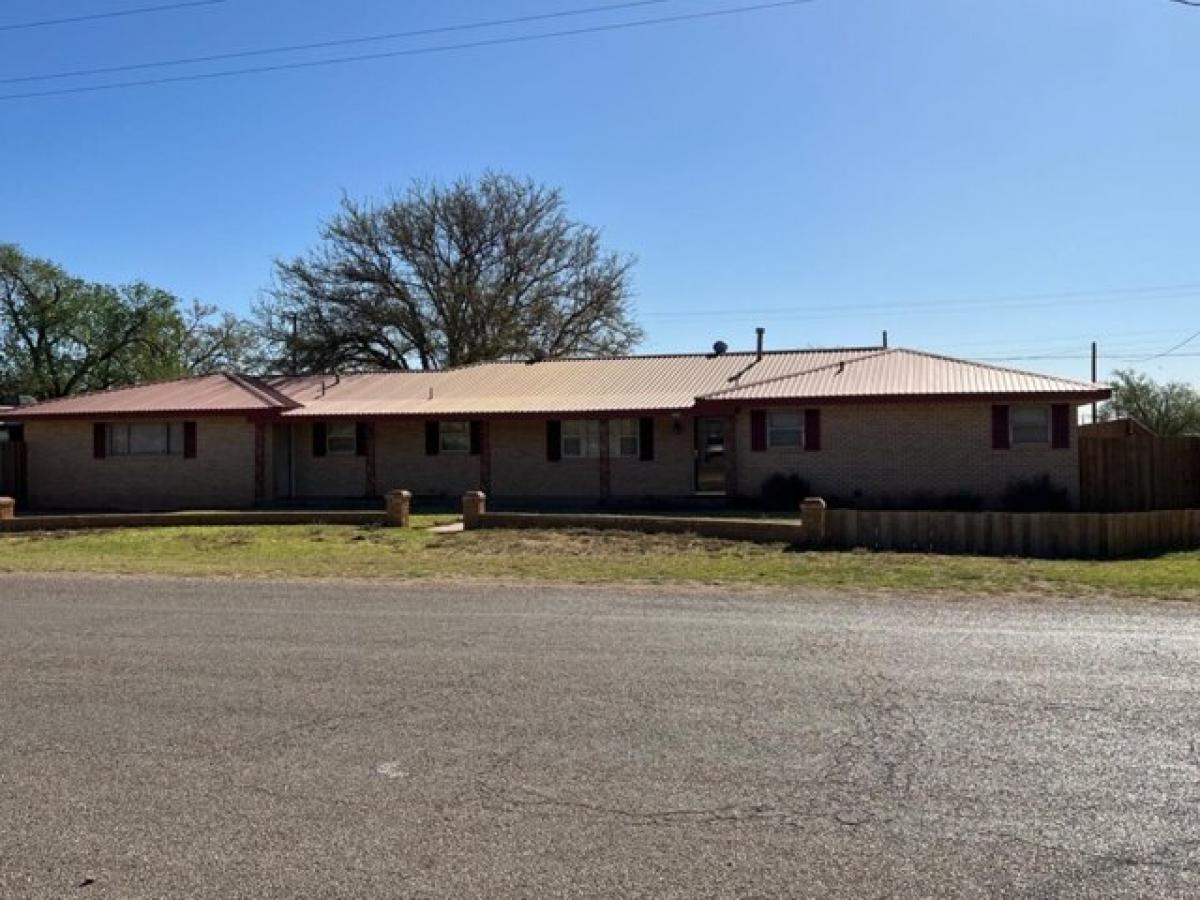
(61,335)
(1168,409)
(445,276)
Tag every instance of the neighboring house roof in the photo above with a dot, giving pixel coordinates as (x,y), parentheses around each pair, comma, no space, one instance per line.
(899,373)
(580,386)
(219,393)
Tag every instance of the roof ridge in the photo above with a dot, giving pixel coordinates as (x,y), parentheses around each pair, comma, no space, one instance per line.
(984,365)
(628,356)
(880,351)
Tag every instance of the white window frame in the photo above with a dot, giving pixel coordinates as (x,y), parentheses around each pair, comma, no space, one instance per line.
(345,434)
(119,439)
(454,438)
(772,429)
(1015,411)
(584,435)
(625,438)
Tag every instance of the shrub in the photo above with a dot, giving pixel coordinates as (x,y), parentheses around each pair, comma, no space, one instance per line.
(783,493)
(1038,494)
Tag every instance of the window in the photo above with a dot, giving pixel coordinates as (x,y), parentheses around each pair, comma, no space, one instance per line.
(341,439)
(785,430)
(145,438)
(454,437)
(624,438)
(580,439)
(1030,425)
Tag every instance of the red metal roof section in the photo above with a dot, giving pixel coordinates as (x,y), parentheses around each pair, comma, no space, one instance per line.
(580,387)
(199,395)
(898,373)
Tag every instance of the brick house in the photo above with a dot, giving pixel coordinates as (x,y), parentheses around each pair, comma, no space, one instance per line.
(861,425)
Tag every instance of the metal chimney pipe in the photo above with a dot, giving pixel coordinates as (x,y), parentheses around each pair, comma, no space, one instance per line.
(760,332)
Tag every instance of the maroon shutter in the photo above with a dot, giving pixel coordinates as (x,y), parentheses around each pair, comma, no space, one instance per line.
(812,429)
(189,440)
(553,441)
(318,436)
(1000,439)
(99,441)
(758,430)
(362,438)
(433,438)
(1060,426)
(476,437)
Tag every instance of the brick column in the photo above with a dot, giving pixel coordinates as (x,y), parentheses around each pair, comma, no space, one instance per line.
(399,505)
(260,461)
(372,468)
(485,456)
(605,461)
(731,457)
(474,506)
(812,518)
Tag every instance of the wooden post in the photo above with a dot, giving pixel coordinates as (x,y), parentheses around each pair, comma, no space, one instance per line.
(8,509)
(399,505)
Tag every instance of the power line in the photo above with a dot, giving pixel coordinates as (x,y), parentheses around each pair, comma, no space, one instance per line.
(418,51)
(1179,292)
(1171,351)
(342,42)
(116,14)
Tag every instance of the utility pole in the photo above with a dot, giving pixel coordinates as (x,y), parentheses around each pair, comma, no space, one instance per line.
(1093,380)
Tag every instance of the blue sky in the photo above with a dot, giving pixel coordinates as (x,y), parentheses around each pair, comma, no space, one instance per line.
(986,179)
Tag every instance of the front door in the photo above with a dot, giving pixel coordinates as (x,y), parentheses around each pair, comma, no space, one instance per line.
(710,456)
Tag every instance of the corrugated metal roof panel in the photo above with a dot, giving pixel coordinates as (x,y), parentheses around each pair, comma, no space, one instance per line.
(899,372)
(561,387)
(201,394)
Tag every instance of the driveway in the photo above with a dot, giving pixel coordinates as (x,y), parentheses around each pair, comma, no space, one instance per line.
(220,738)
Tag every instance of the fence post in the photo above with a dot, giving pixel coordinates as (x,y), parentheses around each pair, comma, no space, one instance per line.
(399,505)
(474,505)
(8,510)
(812,518)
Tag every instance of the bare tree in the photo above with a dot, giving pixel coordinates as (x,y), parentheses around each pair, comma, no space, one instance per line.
(447,276)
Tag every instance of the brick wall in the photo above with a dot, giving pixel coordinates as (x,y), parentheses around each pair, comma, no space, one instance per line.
(402,463)
(669,474)
(520,468)
(893,450)
(64,475)
(327,476)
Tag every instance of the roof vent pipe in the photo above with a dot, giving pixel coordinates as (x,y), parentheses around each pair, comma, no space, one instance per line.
(761,332)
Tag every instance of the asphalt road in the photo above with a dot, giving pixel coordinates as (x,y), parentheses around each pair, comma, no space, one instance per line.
(212,738)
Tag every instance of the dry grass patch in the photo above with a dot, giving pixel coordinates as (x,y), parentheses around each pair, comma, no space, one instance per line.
(582,556)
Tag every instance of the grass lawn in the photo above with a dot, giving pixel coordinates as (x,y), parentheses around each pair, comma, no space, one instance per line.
(572,556)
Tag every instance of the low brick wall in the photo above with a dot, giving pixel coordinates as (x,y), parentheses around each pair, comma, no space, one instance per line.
(765,531)
(80,522)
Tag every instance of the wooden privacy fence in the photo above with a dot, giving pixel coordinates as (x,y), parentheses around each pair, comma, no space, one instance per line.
(1046,535)
(1126,474)
(12,470)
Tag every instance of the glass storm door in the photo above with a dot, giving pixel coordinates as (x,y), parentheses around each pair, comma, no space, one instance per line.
(710,456)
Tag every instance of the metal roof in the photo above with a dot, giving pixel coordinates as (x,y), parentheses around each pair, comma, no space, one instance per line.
(906,373)
(200,394)
(612,384)
(578,386)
